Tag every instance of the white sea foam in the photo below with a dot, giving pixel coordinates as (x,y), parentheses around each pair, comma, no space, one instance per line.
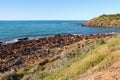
(10,42)
(77,34)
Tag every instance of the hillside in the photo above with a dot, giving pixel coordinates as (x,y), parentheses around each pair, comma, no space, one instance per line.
(104,21)
(94,58)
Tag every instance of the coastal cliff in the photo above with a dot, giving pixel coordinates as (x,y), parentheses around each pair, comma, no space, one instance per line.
(112,21)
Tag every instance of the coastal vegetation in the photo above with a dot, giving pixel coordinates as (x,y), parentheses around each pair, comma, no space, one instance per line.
(105,21)
(73,62)
(95,59)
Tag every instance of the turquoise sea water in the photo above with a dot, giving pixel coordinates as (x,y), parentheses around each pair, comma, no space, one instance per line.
(10,30)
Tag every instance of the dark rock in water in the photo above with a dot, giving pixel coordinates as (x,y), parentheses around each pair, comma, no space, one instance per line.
(1,43)
(81,24)
(23,39)
(58,35)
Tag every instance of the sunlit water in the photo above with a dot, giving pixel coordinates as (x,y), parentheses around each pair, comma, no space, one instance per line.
(10,30)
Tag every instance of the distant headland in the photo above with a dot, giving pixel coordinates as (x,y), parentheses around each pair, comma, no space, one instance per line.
(109,21)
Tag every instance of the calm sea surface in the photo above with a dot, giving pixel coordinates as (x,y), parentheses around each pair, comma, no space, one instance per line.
(19,29)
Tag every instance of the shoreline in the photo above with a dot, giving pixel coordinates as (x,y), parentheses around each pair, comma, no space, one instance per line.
(15,40)
(28,53)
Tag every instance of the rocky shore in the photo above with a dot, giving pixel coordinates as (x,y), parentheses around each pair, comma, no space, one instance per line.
(27,53)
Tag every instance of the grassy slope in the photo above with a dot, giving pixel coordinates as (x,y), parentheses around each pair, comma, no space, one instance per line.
(93,57)
(105,21)
(95,60)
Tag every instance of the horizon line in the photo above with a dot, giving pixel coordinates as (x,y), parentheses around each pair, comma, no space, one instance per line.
(45,20)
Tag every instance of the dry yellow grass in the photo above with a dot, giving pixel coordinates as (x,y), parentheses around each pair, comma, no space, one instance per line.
(95,60)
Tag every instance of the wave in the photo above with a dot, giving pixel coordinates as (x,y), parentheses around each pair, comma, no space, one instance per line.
(28,37)
(9,42)
(38,37)
(13,41)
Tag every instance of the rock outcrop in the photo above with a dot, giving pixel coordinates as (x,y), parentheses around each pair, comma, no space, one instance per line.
(112,21)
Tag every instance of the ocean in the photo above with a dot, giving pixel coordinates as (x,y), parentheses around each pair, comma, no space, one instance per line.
(12,30)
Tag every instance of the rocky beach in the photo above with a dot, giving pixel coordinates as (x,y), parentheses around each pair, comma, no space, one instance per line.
(27,53)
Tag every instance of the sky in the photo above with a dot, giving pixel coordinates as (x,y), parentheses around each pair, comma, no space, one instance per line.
(56,9)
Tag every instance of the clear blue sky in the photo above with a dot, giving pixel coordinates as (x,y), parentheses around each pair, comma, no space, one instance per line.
(56,9)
